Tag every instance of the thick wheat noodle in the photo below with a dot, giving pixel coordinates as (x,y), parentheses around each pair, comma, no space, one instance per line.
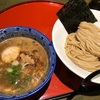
(83,46)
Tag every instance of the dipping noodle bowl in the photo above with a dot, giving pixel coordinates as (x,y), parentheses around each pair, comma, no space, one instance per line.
(27,61)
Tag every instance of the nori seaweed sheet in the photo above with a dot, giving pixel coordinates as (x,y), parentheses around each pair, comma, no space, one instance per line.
(74,12)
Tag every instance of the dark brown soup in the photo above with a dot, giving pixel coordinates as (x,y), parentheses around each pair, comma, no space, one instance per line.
(23,65)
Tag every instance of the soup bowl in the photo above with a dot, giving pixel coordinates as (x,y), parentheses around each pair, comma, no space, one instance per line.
(23,31)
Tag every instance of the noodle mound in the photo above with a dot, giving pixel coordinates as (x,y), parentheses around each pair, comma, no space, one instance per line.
(83,46)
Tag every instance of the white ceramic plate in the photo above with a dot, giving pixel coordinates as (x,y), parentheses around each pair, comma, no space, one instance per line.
(59,35)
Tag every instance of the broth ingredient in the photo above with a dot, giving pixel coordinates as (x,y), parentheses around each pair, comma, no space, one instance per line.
(10,54)
(23,65)
(83,46)
(11,74)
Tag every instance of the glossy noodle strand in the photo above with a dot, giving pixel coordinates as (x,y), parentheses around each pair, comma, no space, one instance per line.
(83,46)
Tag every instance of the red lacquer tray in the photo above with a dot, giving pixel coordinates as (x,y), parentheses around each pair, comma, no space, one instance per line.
(41,16)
